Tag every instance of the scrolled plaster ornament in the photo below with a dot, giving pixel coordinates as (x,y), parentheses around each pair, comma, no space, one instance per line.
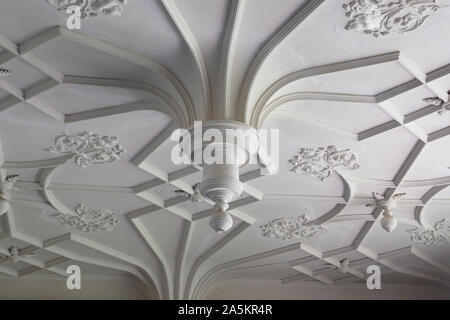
(343,265)
(432,237)
(320,162)
(4,72)
(382,17)
(436,101)
(88,219)
(195,197)
(92,8)
(6,187)
(290,229)
(389,221)
(16,255)
(88,148)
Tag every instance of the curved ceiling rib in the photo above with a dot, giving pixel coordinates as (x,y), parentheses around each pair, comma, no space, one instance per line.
(221,267)
(46,176)
(185,242)
(208,253)
(297,116)
(194,47)
(254,115)
(136,59)
(224,107)
(427,197)
(52,246)
(303,13)
(30,95)
(174,110)
(153,245)
(314,96)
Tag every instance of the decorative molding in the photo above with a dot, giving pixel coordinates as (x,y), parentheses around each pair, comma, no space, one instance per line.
(92,8)
(322,161)
(297,19)
(230,236)
(6,187)
(255,115)
(16,254)
(432,237)
(88,148)
(386,203)
(298,117)
(88,219)
(342,268)
(183,248)
(419,211)
(436,101)
(188,110)
(195,49)
(235,15)
(194,197)
(167,281)
(5,72)
(290,229)
(316,96)
(383,17)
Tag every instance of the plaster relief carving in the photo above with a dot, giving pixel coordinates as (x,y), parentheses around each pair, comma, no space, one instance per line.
(92,8)
(88,148)
(195,197)
(435,101)
(343,265)
(389,221)
(16,254)
(320,162)
(432,237)
(4,72)
(290,229)
(88,219)
(6,187)
(382,17)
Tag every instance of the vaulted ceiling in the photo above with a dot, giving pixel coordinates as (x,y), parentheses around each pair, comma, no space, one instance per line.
(311,68)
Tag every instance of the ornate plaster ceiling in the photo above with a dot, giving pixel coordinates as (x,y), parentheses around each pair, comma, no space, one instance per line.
(331,83)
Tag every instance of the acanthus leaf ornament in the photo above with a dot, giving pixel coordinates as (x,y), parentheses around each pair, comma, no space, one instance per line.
(382,17)
(92,8)
(5,72)
(436,101)
(87,219)
(16,254)
(6,187)
(196,196)
(290,229)
(88,148)
(389,222)
(432,237)
(320,162)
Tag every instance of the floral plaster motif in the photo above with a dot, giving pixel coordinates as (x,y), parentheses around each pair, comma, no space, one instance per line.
(88,148)
(290,229)
(92,8)
(320,162)
(88,219)
(382,17)
(432,237)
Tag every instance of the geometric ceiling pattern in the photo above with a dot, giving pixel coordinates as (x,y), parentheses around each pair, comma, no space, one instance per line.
(351,108)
